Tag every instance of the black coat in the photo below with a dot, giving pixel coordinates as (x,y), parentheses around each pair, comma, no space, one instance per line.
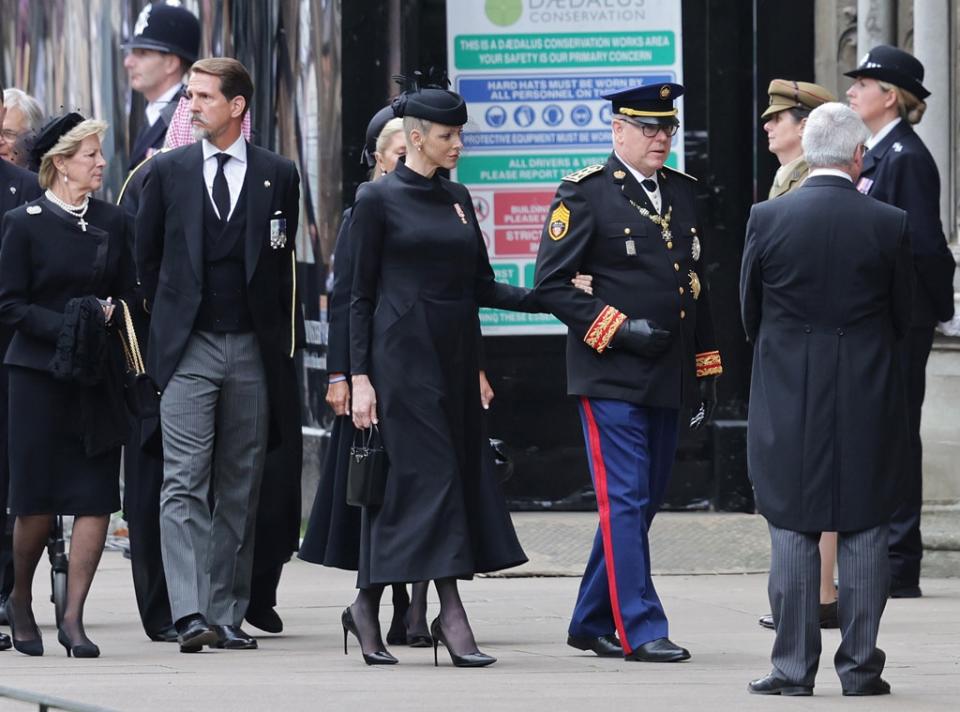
(900,171)
(169,251)
(153,137)
(826,293)
(421,273)
(637,274)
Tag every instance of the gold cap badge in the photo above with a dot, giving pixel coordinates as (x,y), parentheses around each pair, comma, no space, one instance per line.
(665,92)
(619,175)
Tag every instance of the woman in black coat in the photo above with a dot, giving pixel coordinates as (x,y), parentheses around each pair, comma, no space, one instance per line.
(64,259)
(421,273)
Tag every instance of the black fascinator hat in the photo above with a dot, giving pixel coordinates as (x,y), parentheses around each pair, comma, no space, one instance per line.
(430,100)
(52,132)
(374,128)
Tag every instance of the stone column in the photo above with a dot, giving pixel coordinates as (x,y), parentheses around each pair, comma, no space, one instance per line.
(931,41)
(876,24)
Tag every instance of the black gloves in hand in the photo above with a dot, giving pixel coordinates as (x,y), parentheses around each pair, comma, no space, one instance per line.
(708,401)
(642,337)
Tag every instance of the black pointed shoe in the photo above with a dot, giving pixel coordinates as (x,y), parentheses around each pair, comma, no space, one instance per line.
(233,637)
(266,619)
(193,633)
(661,650)
(773,685)
(878,686)
(606,646)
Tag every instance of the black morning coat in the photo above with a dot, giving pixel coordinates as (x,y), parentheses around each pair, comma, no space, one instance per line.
(594,228)
(169,252)
(826,292)
(153,137)
(900,171)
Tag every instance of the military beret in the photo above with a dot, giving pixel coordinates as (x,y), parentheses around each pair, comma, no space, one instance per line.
(893,65)
(52,132)
(788,94)
(650,103)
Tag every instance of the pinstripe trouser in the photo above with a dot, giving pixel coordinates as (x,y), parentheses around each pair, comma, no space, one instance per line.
(214,420)
(794,590)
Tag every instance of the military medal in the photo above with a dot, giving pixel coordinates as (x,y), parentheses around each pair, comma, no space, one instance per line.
(278,233)
(631,247)
(662,222)
(695,249)
(460,213)
(694,284)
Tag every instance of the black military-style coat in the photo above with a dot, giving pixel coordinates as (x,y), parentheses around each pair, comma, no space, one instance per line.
(596,226)
(900,171)
(826,293)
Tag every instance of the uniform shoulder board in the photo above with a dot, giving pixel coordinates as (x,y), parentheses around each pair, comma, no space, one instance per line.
(680,173)
(579,175)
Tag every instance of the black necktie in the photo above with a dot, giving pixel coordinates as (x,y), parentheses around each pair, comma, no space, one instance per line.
(221,191)
(649,185)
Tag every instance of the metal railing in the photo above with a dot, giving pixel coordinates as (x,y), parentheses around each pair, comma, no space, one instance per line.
(48,702)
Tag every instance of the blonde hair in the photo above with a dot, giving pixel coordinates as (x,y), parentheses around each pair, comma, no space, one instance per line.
(911,109)
(415,122)
(389,130)
(67,146)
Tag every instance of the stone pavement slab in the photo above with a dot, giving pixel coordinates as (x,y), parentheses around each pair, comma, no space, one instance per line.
(522,621)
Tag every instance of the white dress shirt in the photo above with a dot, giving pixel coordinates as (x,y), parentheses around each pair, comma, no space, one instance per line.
(235,170)
(881,134)
(653,195)
(156,107)
(829,172)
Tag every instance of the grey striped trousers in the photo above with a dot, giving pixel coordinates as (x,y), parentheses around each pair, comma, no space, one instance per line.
(214,418)
(794,590)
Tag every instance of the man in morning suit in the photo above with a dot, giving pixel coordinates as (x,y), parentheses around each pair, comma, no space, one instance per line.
(165,42)
(638,349)
(826,293)
(17,186)
(215,251)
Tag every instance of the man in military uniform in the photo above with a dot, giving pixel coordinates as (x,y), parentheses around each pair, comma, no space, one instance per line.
(790,104)
(638,349)
(165,42)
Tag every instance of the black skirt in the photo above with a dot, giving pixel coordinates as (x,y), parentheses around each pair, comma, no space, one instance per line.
(50,472)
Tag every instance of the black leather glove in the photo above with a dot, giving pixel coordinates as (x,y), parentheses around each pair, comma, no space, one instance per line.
(708,401)
(642,337)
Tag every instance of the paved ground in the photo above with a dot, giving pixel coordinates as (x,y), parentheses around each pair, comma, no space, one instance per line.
(522,621)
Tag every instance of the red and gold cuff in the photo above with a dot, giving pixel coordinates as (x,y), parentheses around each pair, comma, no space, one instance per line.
(603,328)
(708,364)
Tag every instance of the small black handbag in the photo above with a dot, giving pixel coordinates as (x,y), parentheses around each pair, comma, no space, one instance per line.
(139,390)
(367,472)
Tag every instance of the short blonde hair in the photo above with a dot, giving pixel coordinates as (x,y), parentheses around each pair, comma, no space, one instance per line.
(67,146)
(910,108)
(389,130)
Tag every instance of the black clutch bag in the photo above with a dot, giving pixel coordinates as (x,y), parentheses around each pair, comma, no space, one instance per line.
(367,472)
(139,390)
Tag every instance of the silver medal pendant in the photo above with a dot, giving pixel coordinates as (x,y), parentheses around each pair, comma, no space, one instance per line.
(695,250)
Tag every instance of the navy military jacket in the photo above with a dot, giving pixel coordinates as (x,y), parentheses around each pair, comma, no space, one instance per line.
(900,171)
(639,271)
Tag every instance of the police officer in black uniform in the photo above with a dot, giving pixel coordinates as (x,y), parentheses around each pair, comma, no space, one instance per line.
(638,349)
(888,93)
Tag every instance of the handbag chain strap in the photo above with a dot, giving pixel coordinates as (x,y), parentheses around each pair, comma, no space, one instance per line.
(131,345)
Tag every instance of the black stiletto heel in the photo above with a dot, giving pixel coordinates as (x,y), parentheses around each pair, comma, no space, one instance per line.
(379,657)
(32,647)
(476,659)
(80,650)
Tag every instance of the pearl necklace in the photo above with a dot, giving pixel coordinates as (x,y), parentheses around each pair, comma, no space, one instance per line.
(77,211)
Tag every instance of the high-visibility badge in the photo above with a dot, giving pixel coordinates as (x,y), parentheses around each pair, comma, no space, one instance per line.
(559,222)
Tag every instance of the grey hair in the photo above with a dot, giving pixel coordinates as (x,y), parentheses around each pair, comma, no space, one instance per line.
(832,134)
(32,111)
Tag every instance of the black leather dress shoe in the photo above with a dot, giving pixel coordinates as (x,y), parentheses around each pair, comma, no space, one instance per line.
(5,642)
(606,646)
(166,635)
(661,650)
(773,685)
(3,611)
(879,686)
(829,617)
(265,619)
(193,633)
(905,591)
(233,637)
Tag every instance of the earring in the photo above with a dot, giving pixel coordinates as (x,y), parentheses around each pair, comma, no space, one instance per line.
(65,178)
(383,171)
(419,146)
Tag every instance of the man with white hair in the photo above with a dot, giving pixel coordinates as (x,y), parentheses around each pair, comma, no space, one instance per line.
(23,116)
(826,293)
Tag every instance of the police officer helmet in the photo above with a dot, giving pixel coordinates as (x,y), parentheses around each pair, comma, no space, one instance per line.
(167,28)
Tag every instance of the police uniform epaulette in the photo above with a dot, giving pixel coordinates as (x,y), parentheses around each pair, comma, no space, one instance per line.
(680,173)
(578,176)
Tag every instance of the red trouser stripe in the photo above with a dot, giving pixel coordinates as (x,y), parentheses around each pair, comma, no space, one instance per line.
(603,508)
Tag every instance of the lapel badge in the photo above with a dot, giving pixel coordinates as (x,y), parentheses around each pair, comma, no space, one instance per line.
(559,222)
(266,184)
(460,213)
(898,147)
(694,285)
(619,175)
(278,233)
(34,210)
(695,249)
(13,190)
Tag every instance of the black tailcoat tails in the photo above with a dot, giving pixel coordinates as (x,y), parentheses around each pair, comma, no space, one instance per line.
(826,294)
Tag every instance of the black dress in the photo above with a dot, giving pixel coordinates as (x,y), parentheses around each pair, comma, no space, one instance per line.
(46,260)
(421,273)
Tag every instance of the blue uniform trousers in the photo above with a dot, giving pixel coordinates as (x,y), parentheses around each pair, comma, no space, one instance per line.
(630,449)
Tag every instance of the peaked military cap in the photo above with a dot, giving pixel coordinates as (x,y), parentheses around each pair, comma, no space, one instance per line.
(788,94)
(430,100)
(649,104)
(52,132)
(893,65)
(374,128)
(167,28)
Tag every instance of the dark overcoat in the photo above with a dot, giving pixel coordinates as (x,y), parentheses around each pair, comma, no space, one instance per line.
(900,171)
(826,293)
